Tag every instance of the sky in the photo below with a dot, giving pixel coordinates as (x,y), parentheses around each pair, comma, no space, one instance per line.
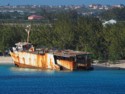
(60,2)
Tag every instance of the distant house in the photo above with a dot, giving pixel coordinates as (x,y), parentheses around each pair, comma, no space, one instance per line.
(110,22)
(35,17)
(118,6)
(96,6)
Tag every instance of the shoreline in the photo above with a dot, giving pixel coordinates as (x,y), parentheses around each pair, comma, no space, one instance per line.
(6,60)
(97,66)
(119,65)
(103,67)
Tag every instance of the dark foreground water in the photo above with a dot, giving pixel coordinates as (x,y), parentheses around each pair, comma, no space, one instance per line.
(30,81)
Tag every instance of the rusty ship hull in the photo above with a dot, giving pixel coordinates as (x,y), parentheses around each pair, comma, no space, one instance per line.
(24,56)
(45,61)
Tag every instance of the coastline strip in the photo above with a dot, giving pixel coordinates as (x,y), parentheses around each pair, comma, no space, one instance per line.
(6,59)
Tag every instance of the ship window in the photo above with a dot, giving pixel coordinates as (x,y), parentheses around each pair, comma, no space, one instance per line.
(66,58)
(26,47)
(80,57)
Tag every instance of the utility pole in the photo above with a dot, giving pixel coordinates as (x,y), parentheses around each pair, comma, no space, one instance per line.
(28,28)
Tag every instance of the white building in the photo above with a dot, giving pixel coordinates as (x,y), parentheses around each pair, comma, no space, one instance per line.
(109,22)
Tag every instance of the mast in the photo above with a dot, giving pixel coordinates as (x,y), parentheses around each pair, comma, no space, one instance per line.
(28,28)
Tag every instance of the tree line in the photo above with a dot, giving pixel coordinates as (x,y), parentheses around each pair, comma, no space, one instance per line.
(115,13)
(70,31)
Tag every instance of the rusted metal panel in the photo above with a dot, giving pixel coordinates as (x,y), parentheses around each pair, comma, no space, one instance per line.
(67,64)
(41,61)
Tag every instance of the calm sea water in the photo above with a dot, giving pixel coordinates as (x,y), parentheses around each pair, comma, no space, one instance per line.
(15,80)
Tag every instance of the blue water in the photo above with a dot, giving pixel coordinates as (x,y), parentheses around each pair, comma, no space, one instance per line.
(15,80)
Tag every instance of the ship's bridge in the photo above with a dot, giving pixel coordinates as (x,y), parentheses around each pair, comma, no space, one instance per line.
(23,46)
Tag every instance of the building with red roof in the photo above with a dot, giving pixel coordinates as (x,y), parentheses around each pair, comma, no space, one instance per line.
(35,17)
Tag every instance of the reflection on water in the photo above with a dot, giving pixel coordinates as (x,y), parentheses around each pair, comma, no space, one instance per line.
(14,80)
(18,69)
(24,69)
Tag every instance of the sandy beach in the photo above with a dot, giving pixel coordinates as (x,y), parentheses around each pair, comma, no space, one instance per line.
(6,59)
(106,65)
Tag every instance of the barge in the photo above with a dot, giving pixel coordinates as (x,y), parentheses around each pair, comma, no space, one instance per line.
(25,55)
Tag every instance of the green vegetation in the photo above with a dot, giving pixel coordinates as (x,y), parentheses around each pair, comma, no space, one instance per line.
(9,35)
(115,13)
(67,30)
